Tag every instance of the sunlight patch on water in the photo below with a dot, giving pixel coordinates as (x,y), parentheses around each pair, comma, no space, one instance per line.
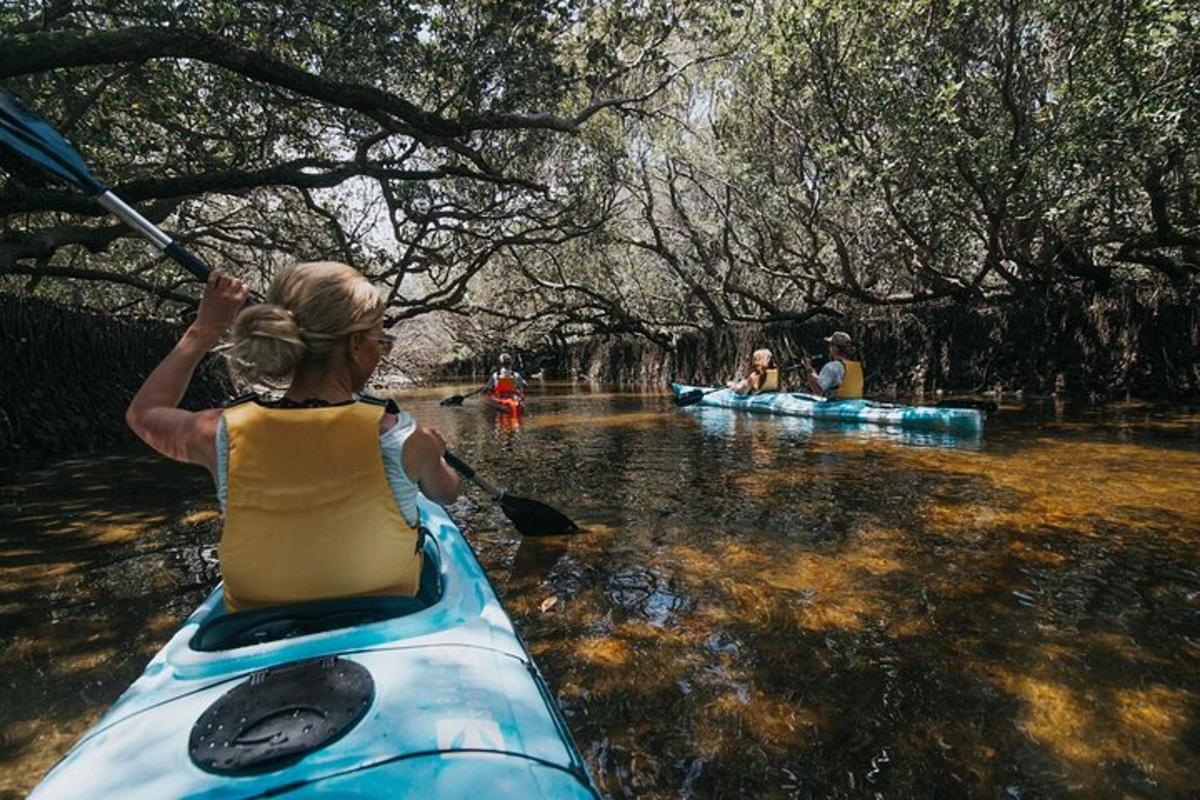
(607,651)
(201,516)
(837,590)
(1087,729)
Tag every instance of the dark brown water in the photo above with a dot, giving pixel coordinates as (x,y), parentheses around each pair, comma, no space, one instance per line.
(761,607)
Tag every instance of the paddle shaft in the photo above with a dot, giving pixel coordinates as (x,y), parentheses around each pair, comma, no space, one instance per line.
(34,139)
(155,235)
(464,469)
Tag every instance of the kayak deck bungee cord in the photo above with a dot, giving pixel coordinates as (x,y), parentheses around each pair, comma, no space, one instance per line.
(434,695)
(963,420)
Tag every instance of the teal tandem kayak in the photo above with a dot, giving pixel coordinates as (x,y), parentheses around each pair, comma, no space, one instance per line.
(433,696)
(960,420)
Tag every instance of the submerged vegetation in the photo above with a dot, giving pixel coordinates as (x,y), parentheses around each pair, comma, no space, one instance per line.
(761,607)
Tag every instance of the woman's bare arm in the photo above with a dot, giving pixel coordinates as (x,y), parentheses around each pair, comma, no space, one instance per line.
(154,413)
(422,460)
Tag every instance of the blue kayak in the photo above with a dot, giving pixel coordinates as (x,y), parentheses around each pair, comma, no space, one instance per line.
(433,696)
(961,420)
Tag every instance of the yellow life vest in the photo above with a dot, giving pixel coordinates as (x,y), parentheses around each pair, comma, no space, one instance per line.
(310,514)
(505,384)
(770,382)
(852,382)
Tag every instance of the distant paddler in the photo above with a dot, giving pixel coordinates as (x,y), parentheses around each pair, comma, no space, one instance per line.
(505,381)
(842,376)
(762,377)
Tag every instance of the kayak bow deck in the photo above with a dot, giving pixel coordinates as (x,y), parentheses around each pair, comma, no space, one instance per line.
(446,702)
(960,420)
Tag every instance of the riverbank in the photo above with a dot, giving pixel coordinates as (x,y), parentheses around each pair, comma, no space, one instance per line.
(1125,344)
(67,374)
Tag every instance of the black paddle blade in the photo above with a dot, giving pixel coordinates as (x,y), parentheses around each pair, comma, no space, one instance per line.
(532,518)
(453,400)
(689,398)
(28,135)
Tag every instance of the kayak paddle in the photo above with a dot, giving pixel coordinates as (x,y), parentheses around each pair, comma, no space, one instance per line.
(28,135)
(457,399)
(692,397)
(529,517)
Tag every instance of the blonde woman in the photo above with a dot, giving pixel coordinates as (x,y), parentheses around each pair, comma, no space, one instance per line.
(763,375)
(318,489)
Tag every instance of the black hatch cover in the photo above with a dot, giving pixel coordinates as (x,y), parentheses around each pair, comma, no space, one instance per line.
(279,715)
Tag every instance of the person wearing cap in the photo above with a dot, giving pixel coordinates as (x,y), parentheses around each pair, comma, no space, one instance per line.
(842,376)
(504,380)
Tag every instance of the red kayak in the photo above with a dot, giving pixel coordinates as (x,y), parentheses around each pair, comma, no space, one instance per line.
(506,403)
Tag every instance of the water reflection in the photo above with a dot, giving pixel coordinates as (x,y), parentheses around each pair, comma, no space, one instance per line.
(761,607)
(506,426)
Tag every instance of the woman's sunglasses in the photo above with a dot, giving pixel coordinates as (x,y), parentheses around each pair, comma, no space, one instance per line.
(386,342)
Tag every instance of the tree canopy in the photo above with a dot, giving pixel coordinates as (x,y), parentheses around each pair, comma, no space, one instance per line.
(555,169)
(412,140)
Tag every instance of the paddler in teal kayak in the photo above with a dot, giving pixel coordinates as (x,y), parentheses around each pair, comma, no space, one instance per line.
(842,376)
(505,380)
(318,488)
(762,377)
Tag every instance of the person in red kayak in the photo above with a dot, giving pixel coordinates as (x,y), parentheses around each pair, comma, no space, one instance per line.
(762,377)
(505,381)
(318,488)
(842,376)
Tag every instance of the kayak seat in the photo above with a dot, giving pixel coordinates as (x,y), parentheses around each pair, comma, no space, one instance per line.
(261,625)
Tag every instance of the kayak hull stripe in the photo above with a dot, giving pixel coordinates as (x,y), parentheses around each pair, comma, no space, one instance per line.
(961,420)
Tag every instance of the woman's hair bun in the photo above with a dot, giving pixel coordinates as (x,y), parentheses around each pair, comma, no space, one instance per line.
(312,308)
(267,344)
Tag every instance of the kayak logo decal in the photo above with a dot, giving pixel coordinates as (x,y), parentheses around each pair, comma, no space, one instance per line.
(469,734)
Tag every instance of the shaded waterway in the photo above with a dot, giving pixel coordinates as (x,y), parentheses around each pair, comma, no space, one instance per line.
(761,607)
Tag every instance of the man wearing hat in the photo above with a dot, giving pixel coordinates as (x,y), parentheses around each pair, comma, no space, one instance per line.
(842,377)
